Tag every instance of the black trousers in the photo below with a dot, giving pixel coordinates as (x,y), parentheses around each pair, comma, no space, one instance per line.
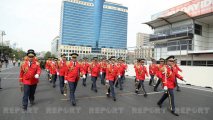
(29,93)
(157,84)
(168,94)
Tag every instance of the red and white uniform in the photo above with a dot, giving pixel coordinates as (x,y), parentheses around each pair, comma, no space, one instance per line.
(169,78)
(159,72)
(72,72)
(152,69)
(94,69)
(121,69)
(62,67)
(84,67)
(141,72)
(47,65)
(28,72)
(111,72)
(53,68)
(103,66)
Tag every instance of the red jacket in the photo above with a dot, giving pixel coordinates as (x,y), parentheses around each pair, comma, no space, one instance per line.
(159,72)
(72,72)
(103,66)
(140,72)
(152,69)
(168,79)
(111,72)
(94,69)
(53,68)
(84,67)
(62,66)
(47,65)
(121,69)
(27,73)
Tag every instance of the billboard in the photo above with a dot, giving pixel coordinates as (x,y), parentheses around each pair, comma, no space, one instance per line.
(193,8)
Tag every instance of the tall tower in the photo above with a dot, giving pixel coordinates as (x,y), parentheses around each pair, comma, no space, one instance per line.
(98,19)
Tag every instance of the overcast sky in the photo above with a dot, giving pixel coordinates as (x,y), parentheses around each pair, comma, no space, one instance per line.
(34,23)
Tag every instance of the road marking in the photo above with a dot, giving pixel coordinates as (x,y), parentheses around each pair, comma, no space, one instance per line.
(121,94)
(6,77)
(6,68)
(195,88)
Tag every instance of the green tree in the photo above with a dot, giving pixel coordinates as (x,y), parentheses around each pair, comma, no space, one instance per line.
(47,54)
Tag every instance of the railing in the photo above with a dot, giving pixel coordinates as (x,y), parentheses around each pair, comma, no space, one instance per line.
(188,33)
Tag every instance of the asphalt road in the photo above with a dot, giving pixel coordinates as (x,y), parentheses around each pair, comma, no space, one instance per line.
(192,103)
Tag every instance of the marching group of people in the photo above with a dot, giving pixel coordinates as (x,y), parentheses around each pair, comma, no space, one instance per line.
(111,73)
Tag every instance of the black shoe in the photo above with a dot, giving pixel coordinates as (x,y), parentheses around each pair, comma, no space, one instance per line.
(155,90)
(107,94)
(96,91)
(178,90)
(62,92)
(24,108)
(114,99)
(136,91)
(53,86)
(174,113)
(32,103)
(84,85)
(0,88)
(73,104)
(159,105)
(121,88)
(145,95)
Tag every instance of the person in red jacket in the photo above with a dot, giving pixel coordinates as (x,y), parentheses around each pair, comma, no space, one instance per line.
(62,66)
(29,75)
(72,76)
(121,72)
(47,67)
(159,73)
(85,67)
(152,71)
(54,71)
(111,76)
(177,69)
(103,65)
(169,84)
(141,74)
(94,70)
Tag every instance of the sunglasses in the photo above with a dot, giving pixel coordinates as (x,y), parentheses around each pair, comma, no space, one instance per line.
(31,56)
(161,61)
(171,60)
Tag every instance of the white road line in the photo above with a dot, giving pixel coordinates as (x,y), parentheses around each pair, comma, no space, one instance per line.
(6,68)
(195,88)
(104,96)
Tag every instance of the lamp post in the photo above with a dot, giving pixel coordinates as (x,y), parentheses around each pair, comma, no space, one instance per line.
(2,34)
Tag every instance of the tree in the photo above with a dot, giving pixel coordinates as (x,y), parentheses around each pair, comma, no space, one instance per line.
(47,54)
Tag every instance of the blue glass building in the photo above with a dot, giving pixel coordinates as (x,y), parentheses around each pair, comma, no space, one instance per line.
(94,23)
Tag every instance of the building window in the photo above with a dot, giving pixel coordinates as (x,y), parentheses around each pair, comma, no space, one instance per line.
(198,29)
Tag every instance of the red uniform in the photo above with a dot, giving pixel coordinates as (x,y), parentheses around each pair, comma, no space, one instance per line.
(121,69)
(72,72)
(28,72)
(111,72)
(169,78)
(159,72)
(140,71)
(103,66)
(84,67)
(94,69)
(177,68)
(62,66)
(47,65)
(152,69)
(53,68)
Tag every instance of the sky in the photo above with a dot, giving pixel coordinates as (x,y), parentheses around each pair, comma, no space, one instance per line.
(32,24)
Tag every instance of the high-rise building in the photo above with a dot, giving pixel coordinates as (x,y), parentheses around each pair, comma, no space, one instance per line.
(142,40)
(93,23)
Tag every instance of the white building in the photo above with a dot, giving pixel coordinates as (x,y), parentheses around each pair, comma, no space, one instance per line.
(185,31)
(54,46)
(142,39)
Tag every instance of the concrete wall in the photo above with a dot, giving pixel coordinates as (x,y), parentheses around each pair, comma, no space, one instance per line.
(198,76)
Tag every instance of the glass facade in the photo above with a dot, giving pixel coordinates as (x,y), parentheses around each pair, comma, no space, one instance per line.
(93,23)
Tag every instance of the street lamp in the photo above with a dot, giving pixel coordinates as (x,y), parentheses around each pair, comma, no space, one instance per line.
(2,34)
